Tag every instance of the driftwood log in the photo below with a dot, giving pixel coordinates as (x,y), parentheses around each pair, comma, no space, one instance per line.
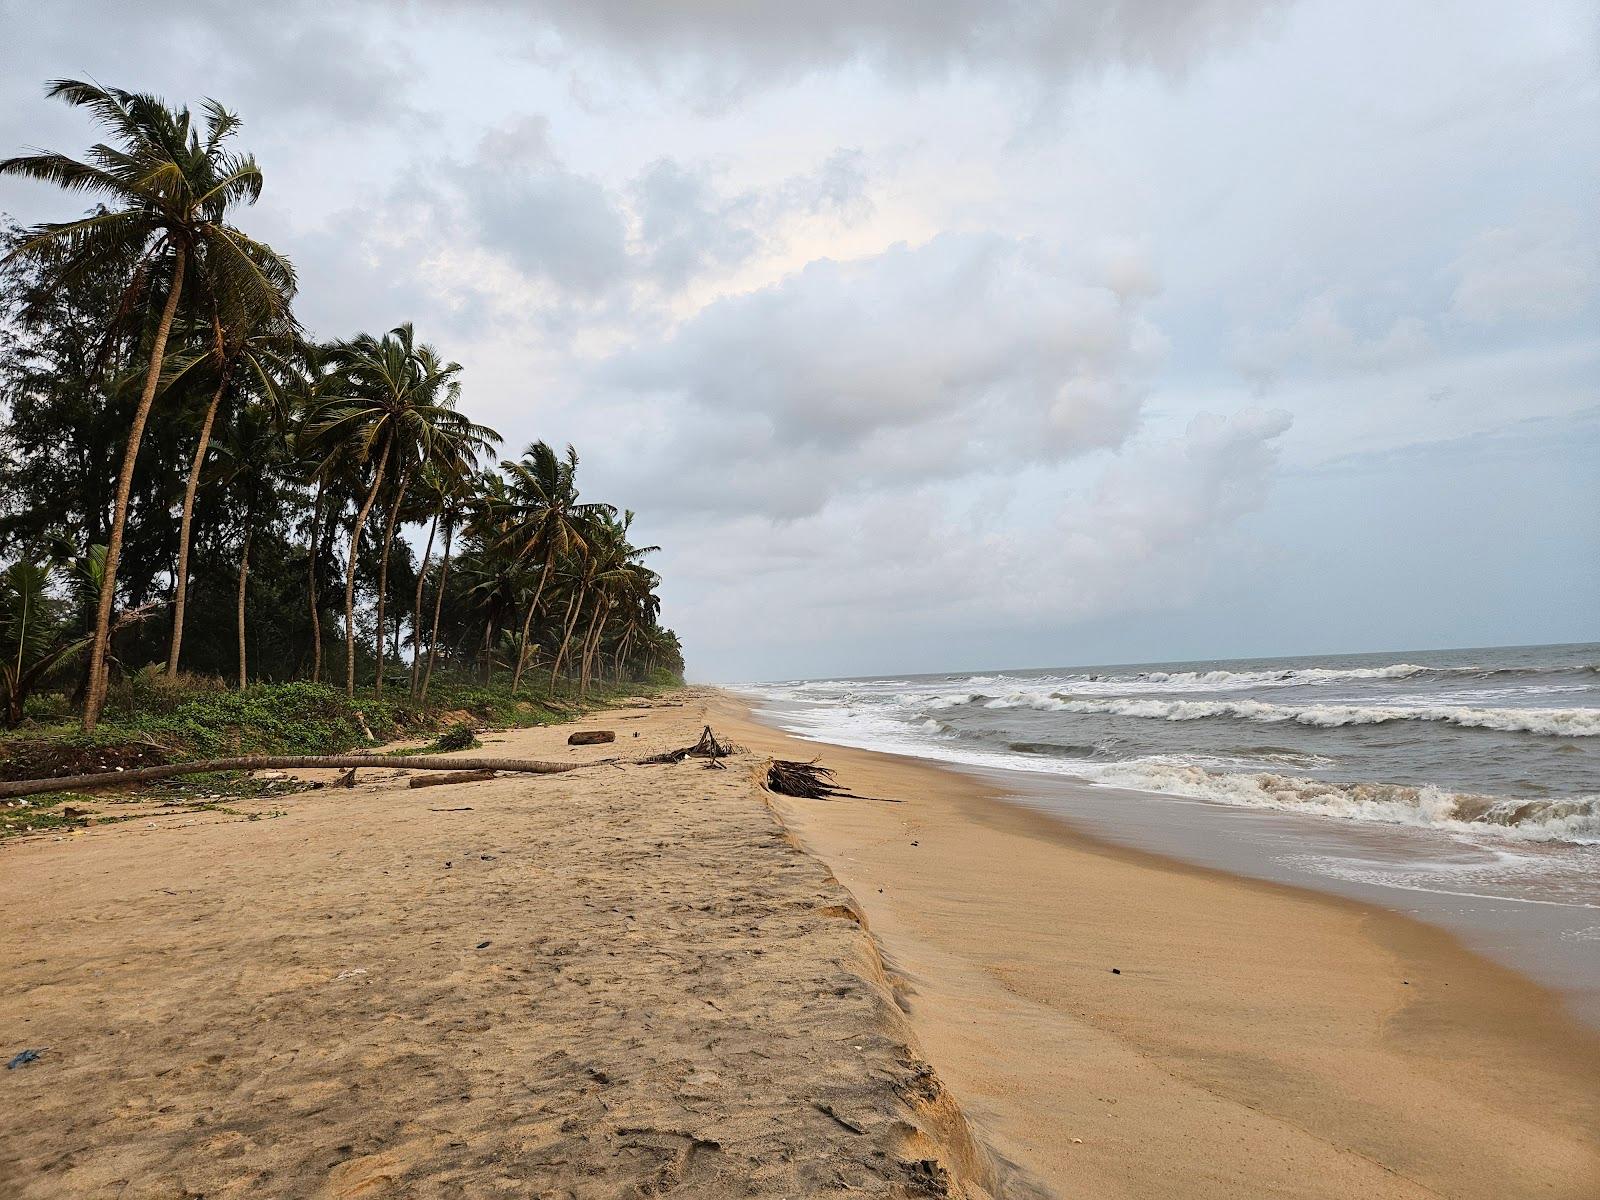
(591,737)
(443,777)
(277,762)
(707,747)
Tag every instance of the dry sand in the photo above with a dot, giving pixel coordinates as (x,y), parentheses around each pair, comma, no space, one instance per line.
(1259,1041)
(621,981)
(676,996)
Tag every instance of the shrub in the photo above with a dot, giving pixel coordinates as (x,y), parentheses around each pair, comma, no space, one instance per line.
(456,737)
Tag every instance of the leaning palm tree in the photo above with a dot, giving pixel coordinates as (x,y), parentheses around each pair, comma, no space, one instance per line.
(260,348)
(617,579)
(252,453)
(456,502)
(602,573)
(442,489)
(166,185)
(391,403)
(544,522)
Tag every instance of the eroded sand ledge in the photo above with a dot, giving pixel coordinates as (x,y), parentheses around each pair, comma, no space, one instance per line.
(672,997)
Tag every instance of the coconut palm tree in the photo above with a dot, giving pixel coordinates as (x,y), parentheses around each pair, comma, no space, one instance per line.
(442,486)
(260,350)
(545,521)
(391,402)
(166,183)
(35,637)
(603,573)
(253,453)
(461,498)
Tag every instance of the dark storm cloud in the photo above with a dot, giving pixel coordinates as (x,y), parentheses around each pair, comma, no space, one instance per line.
(733,47)
(287,56)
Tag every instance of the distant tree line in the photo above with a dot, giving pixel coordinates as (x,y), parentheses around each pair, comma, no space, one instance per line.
(188,481)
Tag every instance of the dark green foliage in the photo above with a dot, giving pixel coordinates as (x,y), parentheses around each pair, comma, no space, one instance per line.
(293,439)
(456,737)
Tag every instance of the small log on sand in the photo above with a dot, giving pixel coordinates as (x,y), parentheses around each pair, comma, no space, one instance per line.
(259,762)
(449,777)
(591,737)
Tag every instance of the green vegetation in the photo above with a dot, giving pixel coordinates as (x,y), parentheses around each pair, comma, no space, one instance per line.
(159,720)
(189,479)
(456,737)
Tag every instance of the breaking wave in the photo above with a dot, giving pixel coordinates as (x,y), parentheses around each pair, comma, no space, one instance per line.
(1552,722)
(1565,819)
(1296,675)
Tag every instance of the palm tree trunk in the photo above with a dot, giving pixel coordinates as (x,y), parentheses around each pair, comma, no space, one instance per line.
(527,621)
(244,575)
(574,607)
(622,650)
(592,644)
(181,589)
(311,583)
(383,576)
(583,646)
(95,697)
(350,574)
(438,602)
(416,605)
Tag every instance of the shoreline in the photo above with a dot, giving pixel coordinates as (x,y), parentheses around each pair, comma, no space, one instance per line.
(1260,1038)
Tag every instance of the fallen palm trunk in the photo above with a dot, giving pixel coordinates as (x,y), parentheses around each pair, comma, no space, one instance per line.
(444,777)
(707,747)
(591,737)
(261,762)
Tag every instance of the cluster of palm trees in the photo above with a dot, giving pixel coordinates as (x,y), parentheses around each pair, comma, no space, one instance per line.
(367,428)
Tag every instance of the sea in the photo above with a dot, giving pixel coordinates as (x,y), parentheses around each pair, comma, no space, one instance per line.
(1460,786)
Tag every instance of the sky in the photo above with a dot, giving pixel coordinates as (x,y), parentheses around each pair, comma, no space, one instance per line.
(962,334)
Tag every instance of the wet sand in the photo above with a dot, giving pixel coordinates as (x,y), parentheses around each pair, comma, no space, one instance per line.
(1123,1025)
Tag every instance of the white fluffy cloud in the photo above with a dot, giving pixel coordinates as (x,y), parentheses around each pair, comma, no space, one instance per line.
(1322,338)
(1143,534)
(963,355)
(1541,269)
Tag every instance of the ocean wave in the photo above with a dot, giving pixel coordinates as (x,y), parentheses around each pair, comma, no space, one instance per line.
(1288,675)
(1564,819)
(1301,676)
(1553,722)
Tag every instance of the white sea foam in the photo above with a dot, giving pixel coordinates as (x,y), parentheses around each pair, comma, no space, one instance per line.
(1565,819)
(1555,722)
(1285,675)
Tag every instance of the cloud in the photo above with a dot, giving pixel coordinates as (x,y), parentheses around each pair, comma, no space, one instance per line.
(970,353)
(1543,269)
(1322,339)
(685,228)
(511,234)
(728,49)
(551,223)
(1144,535)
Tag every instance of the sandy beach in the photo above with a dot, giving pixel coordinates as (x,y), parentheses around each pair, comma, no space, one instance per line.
(634,980)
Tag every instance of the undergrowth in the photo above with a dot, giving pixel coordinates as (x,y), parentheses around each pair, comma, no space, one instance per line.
(152,719)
